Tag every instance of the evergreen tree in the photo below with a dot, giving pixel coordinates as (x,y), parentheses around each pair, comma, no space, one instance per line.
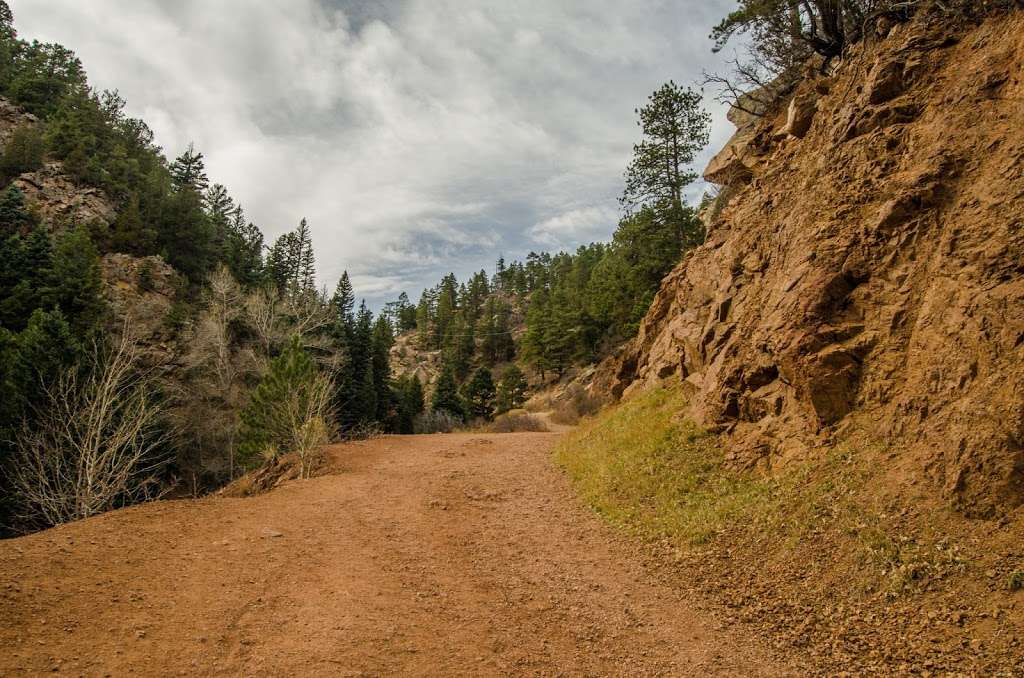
(496,342)
(447,296)
(479,395)
(281,264)
(538,321)
(342,304)
(560,331)
(383,339)
(446,394)
(424,321)
(244,250)
(500,282)
(14,218)
(186,236)
(130,234)
(189,171)
(266,426)
(25,265)
(75,279)
(459,345)
(343,330)
(409,403)
(305,271)
(363,409)
(675,128)
(23,152)
(511,391)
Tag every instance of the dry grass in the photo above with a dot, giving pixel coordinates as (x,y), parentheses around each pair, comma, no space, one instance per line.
(574,405)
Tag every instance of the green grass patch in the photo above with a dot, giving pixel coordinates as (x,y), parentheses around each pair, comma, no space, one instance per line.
(643,468)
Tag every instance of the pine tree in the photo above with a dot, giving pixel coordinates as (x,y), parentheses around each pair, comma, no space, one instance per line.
(424,321)
(185,235)
(561,332)
(409,403)
(383,339)
(342,305)
(479,395)
(459,345)
(244,250)
(675,128)
(130,234)
(500,282)
(265,425)
(14,218)
(446,394)
(538,321)
(25,266)
(511,391)
(447,296)
(364,407)
(75,279)
(305,271)
(189,170)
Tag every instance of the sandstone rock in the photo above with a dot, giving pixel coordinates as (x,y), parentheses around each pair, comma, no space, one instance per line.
(733,164)
(800,115)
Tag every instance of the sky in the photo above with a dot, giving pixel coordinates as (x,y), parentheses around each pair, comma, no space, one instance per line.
(416,136)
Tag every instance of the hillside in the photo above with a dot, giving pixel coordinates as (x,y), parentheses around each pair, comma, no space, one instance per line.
(864,270)
(820,419)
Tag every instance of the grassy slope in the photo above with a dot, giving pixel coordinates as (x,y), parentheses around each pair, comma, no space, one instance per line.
(820,552)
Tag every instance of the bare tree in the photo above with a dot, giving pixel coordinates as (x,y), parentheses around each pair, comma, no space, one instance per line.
(218,363)
(275,316)
(96,442)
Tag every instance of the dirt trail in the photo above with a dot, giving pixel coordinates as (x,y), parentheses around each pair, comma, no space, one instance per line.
(427,555)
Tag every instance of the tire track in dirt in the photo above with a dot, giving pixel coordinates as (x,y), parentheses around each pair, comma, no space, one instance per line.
(452,555)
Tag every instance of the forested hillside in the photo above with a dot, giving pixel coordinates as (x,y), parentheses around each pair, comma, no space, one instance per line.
(153,343)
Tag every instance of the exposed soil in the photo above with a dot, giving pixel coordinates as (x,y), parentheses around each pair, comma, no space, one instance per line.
(461,554)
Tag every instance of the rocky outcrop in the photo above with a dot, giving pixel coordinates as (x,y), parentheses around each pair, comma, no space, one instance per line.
(49,190)
(867,270)
(62,202)
(408,360)
(11,118)
(140,293)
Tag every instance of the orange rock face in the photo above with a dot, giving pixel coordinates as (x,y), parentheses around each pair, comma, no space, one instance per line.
(868,274)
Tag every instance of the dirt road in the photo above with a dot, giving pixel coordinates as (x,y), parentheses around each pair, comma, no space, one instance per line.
(430,555)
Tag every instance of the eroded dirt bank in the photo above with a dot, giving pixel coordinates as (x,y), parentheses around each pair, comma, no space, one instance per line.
(424,555)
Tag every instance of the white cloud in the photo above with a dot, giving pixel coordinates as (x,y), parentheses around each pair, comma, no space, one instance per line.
(417,136)
(575,226)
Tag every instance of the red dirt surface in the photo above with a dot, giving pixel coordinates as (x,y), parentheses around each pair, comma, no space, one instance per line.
(443,555)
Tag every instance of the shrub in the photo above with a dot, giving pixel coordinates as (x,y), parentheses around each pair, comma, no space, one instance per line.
(24,151)
(517,422)
(1015,582)
(577,403)
(145,276)
(436,421)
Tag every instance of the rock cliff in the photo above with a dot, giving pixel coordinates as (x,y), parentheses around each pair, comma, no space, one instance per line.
(866,270)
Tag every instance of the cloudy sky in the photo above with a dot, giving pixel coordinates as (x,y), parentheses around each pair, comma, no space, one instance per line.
(417,136)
